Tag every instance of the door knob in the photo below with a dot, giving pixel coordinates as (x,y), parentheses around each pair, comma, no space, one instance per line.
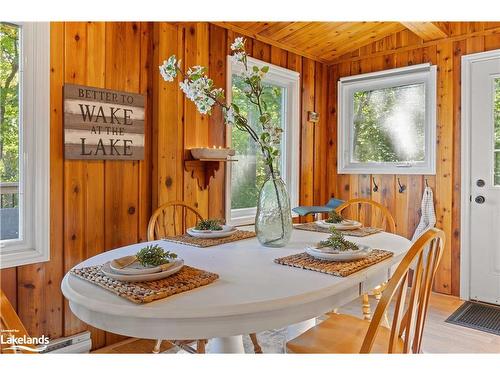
(480,199)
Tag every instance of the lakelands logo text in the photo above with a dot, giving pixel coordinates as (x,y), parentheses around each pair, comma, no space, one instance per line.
(21,342)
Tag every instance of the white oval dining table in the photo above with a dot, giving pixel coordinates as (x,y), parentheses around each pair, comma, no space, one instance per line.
(252,294)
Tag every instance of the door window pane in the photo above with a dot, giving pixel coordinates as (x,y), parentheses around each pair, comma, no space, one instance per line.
(249,172)
(10,131)
(389,124)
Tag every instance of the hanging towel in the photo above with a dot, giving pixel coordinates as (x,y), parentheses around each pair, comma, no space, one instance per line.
(428,218)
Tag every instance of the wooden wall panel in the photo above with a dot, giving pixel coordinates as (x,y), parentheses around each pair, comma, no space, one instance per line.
(196,52)
(307,135)
(217,128)
(399,50)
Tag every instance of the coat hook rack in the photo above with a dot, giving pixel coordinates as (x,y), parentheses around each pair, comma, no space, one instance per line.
(375,186)
(402,188)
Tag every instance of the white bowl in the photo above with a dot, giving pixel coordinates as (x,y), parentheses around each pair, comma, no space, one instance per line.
(178,264)
(328,254)
(134,269)
(343,225)
(211,153)
(227,230)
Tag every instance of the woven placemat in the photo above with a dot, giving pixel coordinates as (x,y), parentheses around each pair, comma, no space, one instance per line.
(305,261)
(186,239)
(187,278)
(359,232)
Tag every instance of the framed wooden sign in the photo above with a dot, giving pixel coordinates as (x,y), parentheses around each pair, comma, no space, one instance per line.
(103,124)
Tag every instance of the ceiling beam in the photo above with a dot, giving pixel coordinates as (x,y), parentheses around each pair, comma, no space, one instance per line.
(267,40)
(428,30)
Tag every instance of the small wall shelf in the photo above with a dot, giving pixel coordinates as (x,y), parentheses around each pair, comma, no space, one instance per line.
(204,169)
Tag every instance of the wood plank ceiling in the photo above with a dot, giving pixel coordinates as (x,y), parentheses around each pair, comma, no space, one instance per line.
(328,41)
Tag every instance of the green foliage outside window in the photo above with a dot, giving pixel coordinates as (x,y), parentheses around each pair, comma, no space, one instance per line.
(245,189)
(9,107)
(389,124)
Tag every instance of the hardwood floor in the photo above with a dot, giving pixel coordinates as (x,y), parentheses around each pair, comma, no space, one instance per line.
(132,346)
(439,337)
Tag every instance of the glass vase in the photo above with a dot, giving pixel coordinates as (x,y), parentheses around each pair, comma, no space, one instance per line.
(273,222)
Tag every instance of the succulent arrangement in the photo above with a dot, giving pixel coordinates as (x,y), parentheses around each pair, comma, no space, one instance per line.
(338,242)
(209,224)
(154,255)
(334,217)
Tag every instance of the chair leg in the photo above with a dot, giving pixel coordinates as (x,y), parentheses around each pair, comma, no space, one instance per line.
(256,347)
(377,292)
(200,346)
(157,346)
(367,313)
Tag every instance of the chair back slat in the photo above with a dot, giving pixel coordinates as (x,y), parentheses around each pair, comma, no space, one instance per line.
(413,303)
(431,269)
(398,314)
(369,213)
(172,219)
(409,316)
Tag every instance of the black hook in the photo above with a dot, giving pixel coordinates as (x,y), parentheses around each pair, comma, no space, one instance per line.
(402,188)
(426,183)
(375,186)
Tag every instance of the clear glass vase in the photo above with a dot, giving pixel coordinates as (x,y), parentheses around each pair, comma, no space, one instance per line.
(273,222)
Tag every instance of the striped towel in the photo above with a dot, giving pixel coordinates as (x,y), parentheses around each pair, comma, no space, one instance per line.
(428,218)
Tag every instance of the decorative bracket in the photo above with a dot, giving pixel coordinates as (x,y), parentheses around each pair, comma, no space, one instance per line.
(203,169)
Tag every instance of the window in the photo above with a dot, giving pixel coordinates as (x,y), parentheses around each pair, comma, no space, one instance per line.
(387,122)
(24,143)
(246,176)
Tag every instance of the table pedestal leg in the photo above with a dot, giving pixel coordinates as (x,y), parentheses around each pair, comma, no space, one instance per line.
(231,344)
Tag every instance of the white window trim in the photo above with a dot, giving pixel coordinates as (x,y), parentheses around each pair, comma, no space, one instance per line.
(290,173)
(422,73)
(34,184)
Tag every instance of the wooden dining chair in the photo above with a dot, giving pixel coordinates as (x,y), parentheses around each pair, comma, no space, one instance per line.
(347,334)
(11,325)
(371,214)
(172,219)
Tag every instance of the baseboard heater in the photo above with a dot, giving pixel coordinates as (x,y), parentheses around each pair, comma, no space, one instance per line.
(79,343)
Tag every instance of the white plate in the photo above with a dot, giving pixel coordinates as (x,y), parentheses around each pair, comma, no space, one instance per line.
(340,256)
(134,269)
(226,231)
(178,264)
(343,225)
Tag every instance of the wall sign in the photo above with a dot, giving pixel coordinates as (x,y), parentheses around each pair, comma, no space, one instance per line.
(103,124)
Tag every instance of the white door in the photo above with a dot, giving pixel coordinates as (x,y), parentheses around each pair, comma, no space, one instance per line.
(485,180)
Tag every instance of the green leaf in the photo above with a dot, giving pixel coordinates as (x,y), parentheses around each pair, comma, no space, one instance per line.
(265,69)
(255,69)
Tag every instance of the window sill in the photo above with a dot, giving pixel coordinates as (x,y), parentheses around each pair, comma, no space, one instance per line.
(21,257)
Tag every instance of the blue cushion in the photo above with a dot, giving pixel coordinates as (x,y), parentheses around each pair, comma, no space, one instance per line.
(307,210)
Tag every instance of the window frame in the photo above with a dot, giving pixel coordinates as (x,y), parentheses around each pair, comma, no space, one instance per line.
(33,246)
(416,74)
(290,80)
